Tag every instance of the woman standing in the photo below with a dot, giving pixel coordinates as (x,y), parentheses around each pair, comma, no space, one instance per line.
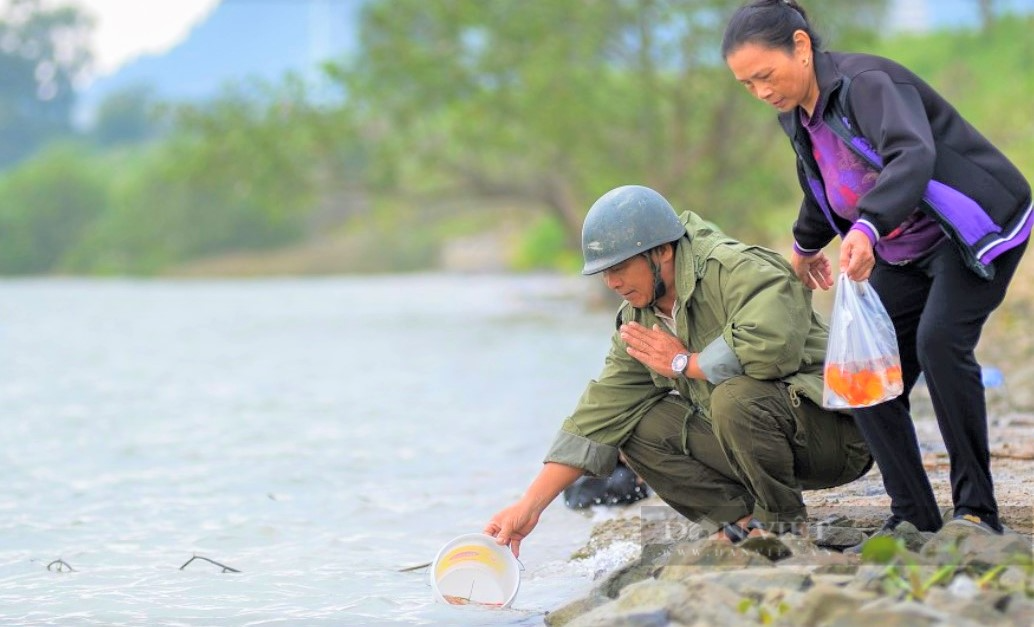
(927,209)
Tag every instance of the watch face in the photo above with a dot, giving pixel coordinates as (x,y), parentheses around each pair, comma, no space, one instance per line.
(679,363)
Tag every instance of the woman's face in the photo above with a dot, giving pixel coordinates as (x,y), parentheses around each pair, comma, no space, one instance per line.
(781,78)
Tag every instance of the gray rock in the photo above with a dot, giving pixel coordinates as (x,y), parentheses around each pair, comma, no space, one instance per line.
(802,546)
(833,579)
(663,525)
(823,604)
(836,537)
(564,615)
(775,597)
(655,555)
(868,578)
(833,564)
(611,586)
(767,546)
(1014,578)
(639,603)
(708,604)
(821,560)
(989,551)
(713,553)
(945,544)
(1019,609)
(659,602)
(708,582)
(753,583)
(625,576)
(981,609)
(887,612)
(914,539)
(636,617)
(608,532)
(846,569)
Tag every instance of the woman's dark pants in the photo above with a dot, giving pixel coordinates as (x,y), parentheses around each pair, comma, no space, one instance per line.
(939,309)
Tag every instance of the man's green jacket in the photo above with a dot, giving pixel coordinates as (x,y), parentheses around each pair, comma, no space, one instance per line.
(740,307)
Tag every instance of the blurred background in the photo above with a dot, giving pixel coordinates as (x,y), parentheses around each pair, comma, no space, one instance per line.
(292,284)
(272,137)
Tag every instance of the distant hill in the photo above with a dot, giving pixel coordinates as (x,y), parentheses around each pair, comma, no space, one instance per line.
(240,38)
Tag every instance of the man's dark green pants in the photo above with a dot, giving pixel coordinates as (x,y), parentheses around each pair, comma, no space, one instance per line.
(764,444)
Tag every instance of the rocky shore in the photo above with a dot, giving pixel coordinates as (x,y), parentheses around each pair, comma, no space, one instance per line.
(681,577)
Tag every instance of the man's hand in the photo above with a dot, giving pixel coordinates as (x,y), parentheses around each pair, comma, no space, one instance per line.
(510,526)
(654,348)
(513,524)
(856,256)
(814,271)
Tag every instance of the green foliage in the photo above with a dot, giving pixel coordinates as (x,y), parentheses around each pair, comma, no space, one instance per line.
(986,75)
(911,577)
(128,116)
(172,207)
(43,49)
(542,105)
(764,614)
(544,246)
(904,574)
(508,98)
(46,205)
(881,549)
(240,174)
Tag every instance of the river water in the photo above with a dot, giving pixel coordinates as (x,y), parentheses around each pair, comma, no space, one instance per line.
(317,435)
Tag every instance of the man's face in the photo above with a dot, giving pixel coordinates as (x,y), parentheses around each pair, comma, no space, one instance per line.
(632,280)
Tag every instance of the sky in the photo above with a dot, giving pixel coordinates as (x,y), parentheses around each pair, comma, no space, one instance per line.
(126,29)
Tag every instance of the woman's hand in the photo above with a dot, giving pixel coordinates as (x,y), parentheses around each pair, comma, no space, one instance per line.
(856,256)
(814,271)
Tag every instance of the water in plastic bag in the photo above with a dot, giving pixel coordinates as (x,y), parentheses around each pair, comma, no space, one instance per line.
(863,367)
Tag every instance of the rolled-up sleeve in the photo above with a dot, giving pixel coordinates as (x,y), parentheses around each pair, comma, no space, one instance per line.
(719,362)
(594,458)
(607,413)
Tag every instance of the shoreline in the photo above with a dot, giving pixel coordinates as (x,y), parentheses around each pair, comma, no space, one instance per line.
(660,584)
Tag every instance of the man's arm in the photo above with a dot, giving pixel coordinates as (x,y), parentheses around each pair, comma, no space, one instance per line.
(587,442)
(511,525)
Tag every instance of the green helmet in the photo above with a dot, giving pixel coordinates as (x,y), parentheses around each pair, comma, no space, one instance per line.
(625,222)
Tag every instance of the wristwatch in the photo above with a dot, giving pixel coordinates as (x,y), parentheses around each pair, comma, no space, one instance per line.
(680,363)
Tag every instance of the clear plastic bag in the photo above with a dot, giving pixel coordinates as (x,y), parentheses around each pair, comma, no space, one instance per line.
(863,367)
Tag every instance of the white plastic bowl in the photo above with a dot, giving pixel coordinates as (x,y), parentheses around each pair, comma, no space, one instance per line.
(473,570)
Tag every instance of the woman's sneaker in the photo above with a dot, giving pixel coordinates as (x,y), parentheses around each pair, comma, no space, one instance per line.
(955,530)
(968,524)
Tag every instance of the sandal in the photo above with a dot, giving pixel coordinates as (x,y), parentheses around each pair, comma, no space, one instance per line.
(737,534)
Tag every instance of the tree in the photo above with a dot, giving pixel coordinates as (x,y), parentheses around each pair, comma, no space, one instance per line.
(242,172)
(557,101)
(43,51)
(127,116)
(46,204)
(987,13)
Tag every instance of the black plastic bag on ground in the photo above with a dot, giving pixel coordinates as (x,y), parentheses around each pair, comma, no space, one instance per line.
(620,488)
